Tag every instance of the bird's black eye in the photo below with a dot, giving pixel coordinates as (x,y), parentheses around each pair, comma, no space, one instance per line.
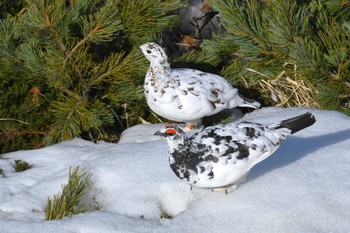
(148,51)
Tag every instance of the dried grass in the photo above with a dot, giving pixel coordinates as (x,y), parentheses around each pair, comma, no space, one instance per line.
(286,91)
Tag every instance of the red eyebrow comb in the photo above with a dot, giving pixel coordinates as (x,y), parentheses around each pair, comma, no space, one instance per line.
(172,131)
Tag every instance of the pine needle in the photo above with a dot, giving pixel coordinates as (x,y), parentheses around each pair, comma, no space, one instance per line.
(69,201)
(12,119)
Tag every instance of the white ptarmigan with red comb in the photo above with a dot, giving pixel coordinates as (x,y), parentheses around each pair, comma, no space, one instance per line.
(219,156)
(186,95)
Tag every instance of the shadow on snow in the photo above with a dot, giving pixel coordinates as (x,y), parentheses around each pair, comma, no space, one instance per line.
(295,148)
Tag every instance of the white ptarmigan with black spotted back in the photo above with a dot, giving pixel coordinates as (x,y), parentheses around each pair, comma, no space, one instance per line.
(219,156)
(186,95)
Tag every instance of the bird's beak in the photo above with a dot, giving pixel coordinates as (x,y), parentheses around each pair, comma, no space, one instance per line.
(158,133)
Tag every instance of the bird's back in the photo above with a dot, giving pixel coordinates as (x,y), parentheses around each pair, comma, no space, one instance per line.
(225,153)
(215,88)
(240,142)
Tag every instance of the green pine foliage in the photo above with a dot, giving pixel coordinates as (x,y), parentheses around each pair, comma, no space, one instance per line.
(70,201)
(290,53)
(21,165)
(10,7)
(72,68)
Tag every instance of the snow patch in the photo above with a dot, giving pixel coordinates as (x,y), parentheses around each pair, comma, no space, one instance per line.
(303,187)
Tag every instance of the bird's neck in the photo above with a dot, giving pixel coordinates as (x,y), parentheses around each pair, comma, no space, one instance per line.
(160,68)
(181,144)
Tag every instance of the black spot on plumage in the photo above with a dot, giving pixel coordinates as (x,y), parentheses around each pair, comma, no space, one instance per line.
(187,160)
(201,169)
(215,93)
(211,134)
(243,151)
(213,104)
(200,146)
(217,141)
(228,138)
(212,158)
(211,175)
(229,151)
(253,146)
(190,89)
(250,132)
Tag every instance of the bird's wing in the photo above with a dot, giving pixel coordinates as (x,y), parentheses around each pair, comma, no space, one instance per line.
(213,87)
(244,144)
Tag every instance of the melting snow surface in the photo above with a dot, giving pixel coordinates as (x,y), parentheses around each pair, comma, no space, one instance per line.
(303,187)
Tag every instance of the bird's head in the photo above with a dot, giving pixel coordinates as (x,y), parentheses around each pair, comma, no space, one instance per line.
(153,52)
(175,137)
(170,131)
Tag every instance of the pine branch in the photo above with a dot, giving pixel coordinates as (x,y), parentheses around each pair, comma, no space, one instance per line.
(338,8)
(81,56)
(69,201)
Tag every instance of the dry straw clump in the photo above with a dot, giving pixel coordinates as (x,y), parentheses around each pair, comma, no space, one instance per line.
(286,91)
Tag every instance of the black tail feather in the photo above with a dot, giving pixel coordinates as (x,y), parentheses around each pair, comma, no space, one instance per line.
(298,123)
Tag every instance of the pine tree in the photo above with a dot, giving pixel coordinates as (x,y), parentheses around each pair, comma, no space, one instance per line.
(290,53)
(11,7)
(72,68)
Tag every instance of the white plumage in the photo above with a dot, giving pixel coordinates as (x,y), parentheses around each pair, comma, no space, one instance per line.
(186,95)
(219,156)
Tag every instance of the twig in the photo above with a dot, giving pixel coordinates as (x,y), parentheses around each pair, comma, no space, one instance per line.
(257,72)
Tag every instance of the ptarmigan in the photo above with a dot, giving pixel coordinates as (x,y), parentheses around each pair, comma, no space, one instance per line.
(186,95)
(219,156)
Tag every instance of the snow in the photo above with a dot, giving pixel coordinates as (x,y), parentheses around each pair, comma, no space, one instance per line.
(303,187)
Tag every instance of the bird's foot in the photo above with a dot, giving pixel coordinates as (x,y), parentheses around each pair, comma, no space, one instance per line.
(191,127)
(188,128)
(226,189)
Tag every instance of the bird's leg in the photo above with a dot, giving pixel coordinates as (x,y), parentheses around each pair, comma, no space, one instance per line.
(226,189)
